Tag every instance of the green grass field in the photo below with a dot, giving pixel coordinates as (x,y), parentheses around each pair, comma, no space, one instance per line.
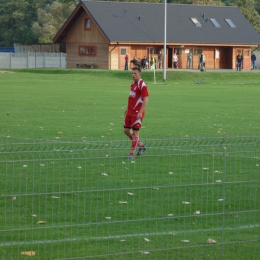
(63,161)
(87,103)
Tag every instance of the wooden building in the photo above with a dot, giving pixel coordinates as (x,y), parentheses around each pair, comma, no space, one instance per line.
(99,34)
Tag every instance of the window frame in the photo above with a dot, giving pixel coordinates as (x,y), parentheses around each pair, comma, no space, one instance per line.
(196,22)
(217,54)
(246,53)
(215,22)
(230,23)
(197,51)
(123,51)
(85,24)
(88,50)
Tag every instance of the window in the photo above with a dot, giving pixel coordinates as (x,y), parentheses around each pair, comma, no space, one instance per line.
(246,53)
(215,22)
(230,23)
(196,22)
(123,51)
(153,50)
(178,51)
(87,24)
(87,50)
(197,51)
(217,54)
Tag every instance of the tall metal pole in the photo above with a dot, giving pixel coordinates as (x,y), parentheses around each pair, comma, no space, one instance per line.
(164,52)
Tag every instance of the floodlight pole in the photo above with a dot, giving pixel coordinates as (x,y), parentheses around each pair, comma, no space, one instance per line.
(164,50)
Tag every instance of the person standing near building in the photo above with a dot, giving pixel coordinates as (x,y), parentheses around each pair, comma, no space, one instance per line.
(189,59)
(175,60)
(239,61)
(152,62)
(253,60)
(160,60)
(202,63)
(134,114)
(126,61)
(144,63)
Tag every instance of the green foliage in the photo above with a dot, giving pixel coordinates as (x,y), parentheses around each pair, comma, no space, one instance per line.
(15,20)
(50,19)
(247,7)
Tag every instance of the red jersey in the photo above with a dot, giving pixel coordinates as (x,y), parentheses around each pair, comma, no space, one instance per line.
(138,92)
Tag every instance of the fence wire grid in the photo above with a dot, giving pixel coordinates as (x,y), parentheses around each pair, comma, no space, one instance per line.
(185,198)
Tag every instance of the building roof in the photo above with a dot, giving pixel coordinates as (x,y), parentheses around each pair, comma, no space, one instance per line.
(144,22)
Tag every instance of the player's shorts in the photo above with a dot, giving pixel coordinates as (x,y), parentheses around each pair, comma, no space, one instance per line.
(133,122)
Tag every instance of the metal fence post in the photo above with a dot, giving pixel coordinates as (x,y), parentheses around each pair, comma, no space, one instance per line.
(223,195)
(28,59)
(10,60)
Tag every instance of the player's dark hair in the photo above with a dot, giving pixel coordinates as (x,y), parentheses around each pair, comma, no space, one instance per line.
(137,68)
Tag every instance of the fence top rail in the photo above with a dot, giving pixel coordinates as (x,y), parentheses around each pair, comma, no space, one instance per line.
(199,143)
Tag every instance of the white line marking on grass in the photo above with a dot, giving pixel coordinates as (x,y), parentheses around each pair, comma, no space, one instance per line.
(37,242)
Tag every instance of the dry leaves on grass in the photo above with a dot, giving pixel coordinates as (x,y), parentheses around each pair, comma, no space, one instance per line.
(28,253)
(185,241)
(41,222)
(211,241)
(122,202)
(144,252)
(186,202)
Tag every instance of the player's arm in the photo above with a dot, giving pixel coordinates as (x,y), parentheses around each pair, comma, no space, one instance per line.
(145,102)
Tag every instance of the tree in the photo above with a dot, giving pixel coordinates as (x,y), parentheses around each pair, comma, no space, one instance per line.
(247,7)
(257,6)
(50,19)
(206,2)
(16,18)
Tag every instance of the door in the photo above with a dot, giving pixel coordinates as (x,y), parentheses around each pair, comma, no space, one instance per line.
(217,58)
(123,52)
(153,52)
(170,53)
(246,59)
(179,54)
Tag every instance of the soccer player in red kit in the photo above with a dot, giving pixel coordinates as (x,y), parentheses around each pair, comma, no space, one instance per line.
(137,102)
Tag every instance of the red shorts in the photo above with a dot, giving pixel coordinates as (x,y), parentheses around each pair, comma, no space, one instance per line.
(133,122)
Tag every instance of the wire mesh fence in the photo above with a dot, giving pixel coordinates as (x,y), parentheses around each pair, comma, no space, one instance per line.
(186,198)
